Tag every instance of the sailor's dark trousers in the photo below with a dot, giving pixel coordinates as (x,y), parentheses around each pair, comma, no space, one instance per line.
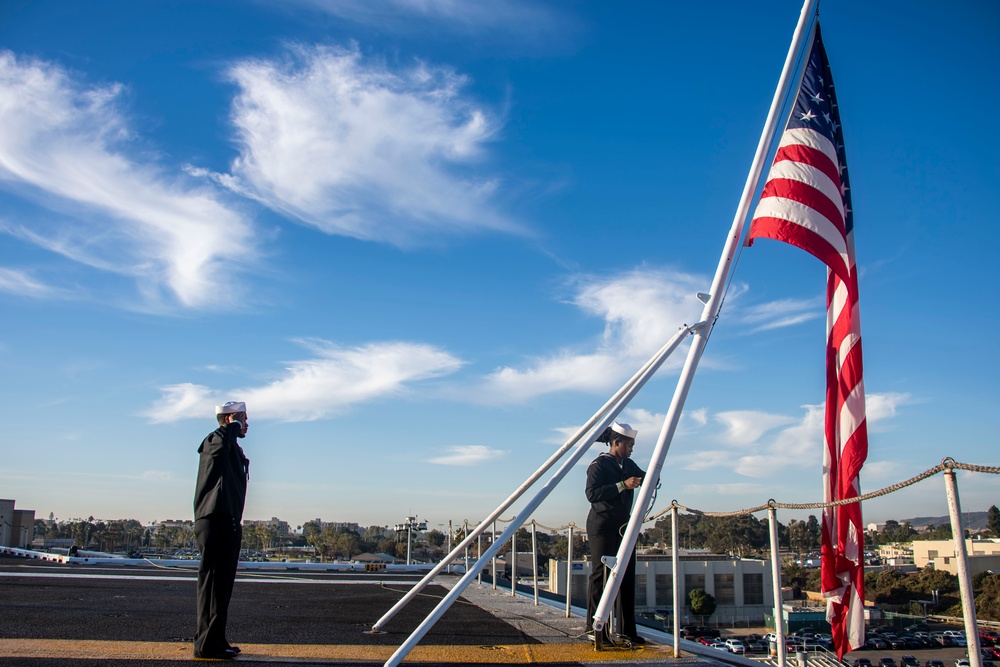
(605,539)
(219,537)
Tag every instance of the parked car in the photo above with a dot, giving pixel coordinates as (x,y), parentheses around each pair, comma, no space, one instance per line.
(991,652)
(909,661)
(934,663)
(941,639)
(886,662)
(707,641)
(989,637)
(865,662)
(962,662)
(720,646)
(987,663)
(918,627)
(735,646)
(876,643)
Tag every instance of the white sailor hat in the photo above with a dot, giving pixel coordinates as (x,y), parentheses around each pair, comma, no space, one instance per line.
(230,407)
(624,429)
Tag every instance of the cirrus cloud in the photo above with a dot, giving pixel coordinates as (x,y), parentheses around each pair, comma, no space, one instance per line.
(352,147)
(329,383)
(468,455)
(68,147)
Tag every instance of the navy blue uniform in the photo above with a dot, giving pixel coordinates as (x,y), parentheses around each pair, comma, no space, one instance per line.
(609,514)
(219,496)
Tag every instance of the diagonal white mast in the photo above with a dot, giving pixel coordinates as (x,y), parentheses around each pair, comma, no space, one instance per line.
(790,80)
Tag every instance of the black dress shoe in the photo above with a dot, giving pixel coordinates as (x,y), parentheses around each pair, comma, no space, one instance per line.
(234,648)
(224,654)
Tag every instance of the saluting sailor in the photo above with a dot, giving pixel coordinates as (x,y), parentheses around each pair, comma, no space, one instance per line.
(219,497)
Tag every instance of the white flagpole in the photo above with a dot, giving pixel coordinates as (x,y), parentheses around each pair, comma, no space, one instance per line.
(791,75)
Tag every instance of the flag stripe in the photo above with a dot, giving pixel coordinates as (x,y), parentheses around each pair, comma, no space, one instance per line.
(816,159)
(785,186)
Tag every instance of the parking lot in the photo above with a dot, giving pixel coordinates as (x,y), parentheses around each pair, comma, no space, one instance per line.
(948,655)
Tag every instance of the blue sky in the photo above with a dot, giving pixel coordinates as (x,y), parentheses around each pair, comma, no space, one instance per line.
(426,240)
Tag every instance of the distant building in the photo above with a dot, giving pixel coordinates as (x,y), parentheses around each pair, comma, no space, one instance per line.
(281,527)
(896,552)
(742,587)
(339,525)
(17,527)
(171,523)
(940,554)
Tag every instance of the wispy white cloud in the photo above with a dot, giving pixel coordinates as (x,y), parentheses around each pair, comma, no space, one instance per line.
(65,145)
(522,20)
(779,314)
(764,445)
(329,383)
(468,455)
(641,310)
(351,147)
(22,283)
(743,427)
(735,489)
(878,473)
(880,407)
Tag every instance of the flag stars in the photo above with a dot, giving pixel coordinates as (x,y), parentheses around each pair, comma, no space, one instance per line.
(808,116)
(817,98)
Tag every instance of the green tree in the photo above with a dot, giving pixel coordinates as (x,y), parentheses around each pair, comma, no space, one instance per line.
(993,520)
(347,545)
(560,546)
(986,592)
(813,532)
(737,535)
(932,533)
(701,603)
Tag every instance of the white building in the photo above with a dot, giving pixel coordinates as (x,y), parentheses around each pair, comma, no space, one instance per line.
(742,587)
(940,554)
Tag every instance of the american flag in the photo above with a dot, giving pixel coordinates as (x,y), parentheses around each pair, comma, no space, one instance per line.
(806,202)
